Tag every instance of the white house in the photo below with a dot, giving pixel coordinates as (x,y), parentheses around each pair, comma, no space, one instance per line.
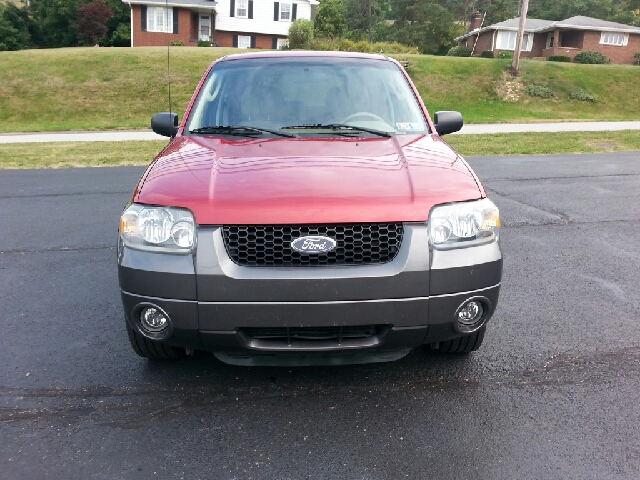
(226,23)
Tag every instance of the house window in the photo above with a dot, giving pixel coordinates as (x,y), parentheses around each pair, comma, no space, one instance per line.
(618,39)
(285,11)
(160,19)
(244,41)
(241,8)
(282,42)
(507,41)
(550,40)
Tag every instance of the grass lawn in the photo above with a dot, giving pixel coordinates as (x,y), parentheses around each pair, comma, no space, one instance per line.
(111,88)
(109,154)
(78,154)
(545,143)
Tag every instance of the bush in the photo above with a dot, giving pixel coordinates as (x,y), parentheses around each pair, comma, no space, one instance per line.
(504,55)
(322,44)
(590,58)
(539,91)
(179,43)
(301,33)
(582,96)
(559,58)
(459,51)
(637,57)
(393,47)
(346,45)
(204,43)
(487,54)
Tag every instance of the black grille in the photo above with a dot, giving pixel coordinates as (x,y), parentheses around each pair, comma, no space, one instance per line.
(270,245)
(320,334)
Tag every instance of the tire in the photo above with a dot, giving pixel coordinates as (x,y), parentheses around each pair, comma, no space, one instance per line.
(466,344)
(153,350)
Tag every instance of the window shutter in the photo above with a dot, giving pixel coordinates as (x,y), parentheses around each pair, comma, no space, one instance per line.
(233,8)
(250,9)
(253,41)
(276,11)
(235,41)
(274,43)
(294,11)
(143,18)
(176,14)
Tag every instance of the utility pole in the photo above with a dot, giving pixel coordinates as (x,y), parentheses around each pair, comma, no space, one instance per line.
(524,6)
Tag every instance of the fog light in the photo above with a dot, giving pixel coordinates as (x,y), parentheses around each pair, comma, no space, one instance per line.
(470,313)
(153,320)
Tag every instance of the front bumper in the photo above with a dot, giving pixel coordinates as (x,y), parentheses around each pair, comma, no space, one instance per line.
(211,301)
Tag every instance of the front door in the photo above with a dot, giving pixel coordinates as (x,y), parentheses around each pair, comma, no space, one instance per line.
(205,27)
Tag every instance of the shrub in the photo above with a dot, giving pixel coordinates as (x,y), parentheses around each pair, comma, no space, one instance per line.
(301,33)
(487,54)
(393,47)
(504,55)
(582,96)
(637,57)
(345,45)
(590,57)
(178,43)
(364,47)
(204,43)
(539,91)
(459,51)
(559,58)
(322,44)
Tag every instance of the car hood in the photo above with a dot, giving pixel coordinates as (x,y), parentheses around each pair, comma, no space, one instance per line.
(307,180)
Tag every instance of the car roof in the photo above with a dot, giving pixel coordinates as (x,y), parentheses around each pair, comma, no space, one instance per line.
(304,53)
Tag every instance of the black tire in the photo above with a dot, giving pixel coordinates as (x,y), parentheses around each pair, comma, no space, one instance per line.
(153,350)
(466,344)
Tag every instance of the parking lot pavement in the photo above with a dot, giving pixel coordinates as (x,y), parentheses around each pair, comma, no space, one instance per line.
(552,393)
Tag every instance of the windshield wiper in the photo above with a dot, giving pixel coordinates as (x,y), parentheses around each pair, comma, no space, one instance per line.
(242,130)
(338,126)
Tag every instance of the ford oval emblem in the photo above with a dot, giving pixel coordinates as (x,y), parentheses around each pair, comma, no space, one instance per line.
(313,244)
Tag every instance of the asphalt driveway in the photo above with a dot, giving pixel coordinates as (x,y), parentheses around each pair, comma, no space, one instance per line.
(553,393)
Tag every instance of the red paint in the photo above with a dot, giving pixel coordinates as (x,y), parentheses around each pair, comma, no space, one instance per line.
(236,180)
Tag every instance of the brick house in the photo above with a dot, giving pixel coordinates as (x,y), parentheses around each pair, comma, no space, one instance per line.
(226,23)
(543,38)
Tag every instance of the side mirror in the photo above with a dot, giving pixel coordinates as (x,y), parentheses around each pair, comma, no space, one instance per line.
(448,122)
(165,124)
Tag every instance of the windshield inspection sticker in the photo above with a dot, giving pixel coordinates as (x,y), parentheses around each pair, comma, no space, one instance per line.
(407,126)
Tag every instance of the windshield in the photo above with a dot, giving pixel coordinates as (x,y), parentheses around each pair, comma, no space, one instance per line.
(303,92)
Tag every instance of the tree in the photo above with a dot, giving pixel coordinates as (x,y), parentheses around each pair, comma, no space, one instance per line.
(14,28)
(119,34)
(330,21)
(499,10)
(423,24)
(364,15)
(54,22)
(91,23)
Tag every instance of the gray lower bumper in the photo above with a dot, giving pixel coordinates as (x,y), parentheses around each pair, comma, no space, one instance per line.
(411,322)
(209,299)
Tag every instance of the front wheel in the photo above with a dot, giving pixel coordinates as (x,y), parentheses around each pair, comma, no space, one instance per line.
(153,350)
(466,344)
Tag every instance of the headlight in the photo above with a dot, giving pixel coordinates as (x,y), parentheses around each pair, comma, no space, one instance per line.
(158,229)
(462,224)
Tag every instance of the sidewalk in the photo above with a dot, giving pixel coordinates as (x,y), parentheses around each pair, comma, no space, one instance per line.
(473,129)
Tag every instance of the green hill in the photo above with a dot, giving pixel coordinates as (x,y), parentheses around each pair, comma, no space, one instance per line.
(108,88)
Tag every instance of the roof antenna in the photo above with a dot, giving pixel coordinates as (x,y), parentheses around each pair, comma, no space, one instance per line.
(166,17)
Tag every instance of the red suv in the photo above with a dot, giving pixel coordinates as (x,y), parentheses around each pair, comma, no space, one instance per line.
(306,211)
